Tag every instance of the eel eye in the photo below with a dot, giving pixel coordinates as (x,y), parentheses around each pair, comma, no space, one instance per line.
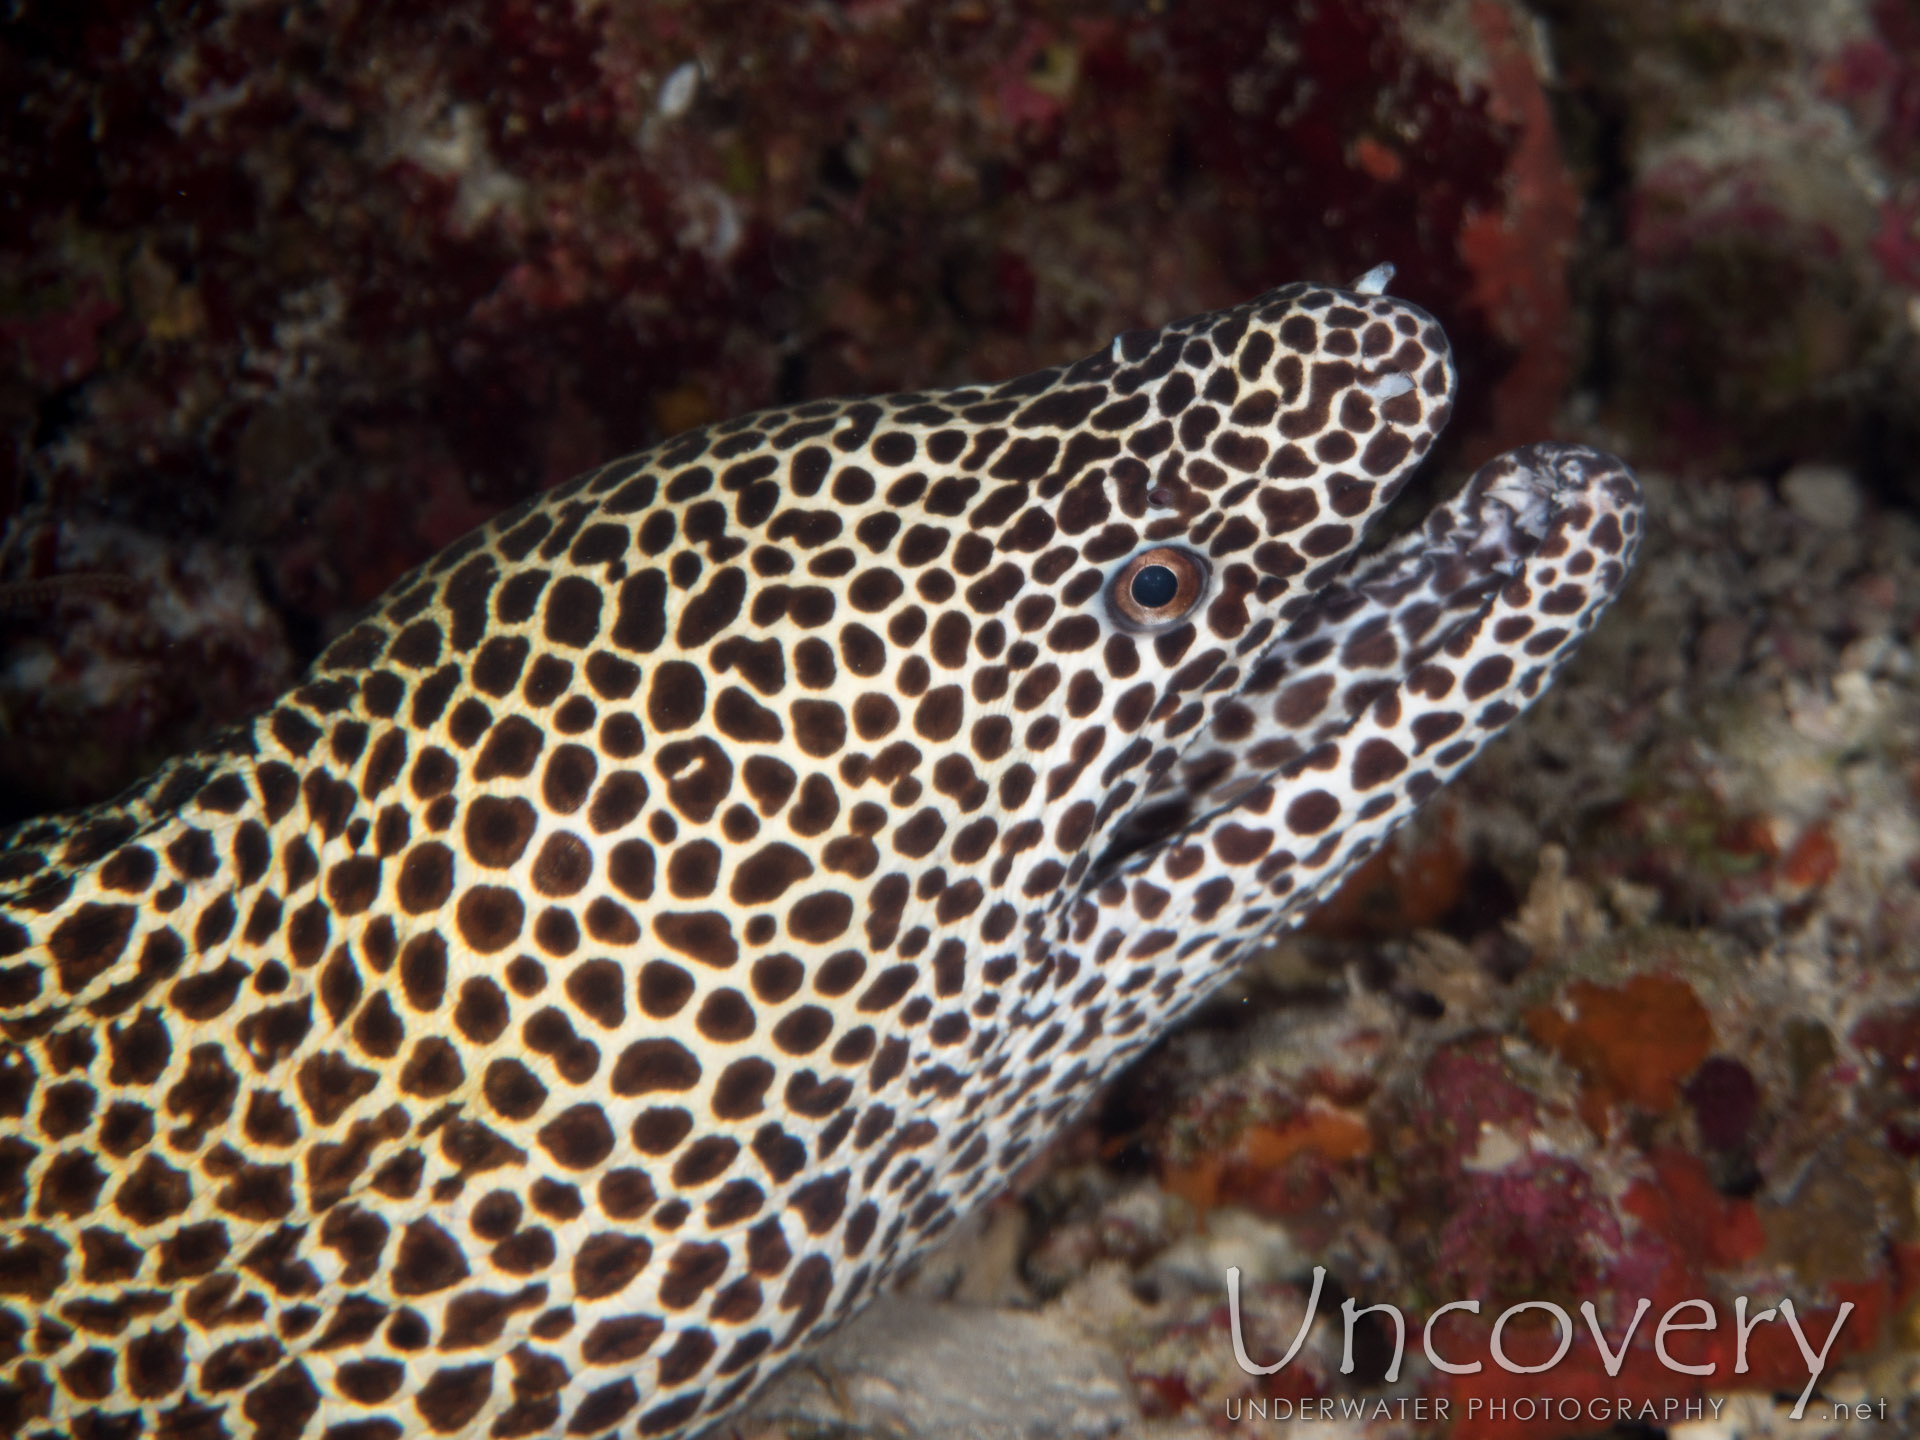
(1158,587)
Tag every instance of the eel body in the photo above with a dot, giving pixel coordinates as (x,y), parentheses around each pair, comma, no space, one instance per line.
(676,903)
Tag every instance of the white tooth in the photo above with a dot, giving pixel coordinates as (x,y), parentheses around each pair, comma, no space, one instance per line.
(1118,358)
(677,92)
(1529,496)
(1385,387)
(1374,282)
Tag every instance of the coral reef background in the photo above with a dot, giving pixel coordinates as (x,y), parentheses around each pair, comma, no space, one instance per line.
(293,294)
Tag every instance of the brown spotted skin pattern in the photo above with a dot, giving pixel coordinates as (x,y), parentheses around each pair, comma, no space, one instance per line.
(685,896)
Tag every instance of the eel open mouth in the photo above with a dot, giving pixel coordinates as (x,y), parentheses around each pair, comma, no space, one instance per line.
(1493,591)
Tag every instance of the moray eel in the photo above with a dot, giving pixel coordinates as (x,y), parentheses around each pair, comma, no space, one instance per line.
(676,903)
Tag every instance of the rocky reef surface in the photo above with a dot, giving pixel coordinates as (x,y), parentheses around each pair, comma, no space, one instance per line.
(290,296)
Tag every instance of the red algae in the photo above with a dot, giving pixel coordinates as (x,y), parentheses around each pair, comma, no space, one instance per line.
(1632,1044)
(1725,1100)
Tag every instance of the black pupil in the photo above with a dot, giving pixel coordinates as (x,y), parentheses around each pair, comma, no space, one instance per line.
(1154,586)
